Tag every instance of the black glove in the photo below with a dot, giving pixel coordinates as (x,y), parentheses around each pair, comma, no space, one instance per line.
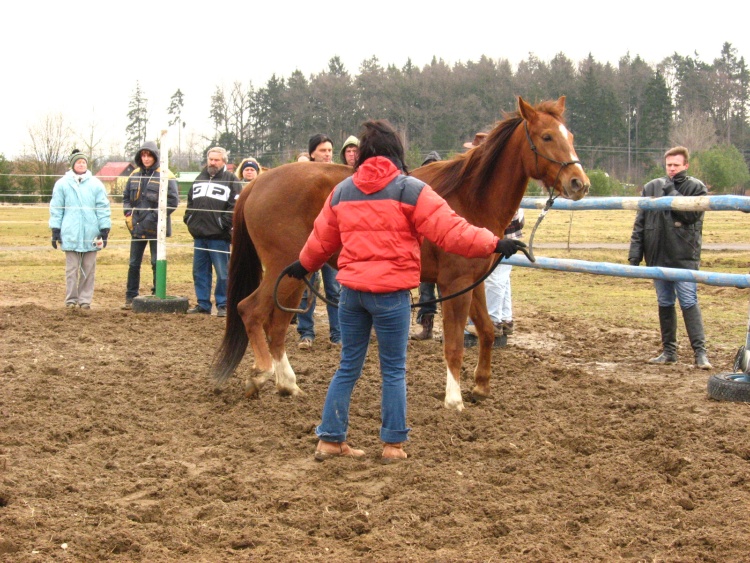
(669,189)
(634,262)
(56,238)
(104,234)
(508,247)
(297,270)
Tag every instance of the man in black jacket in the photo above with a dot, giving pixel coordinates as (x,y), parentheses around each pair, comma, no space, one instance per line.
(140,204)
(210,206)
(672,239)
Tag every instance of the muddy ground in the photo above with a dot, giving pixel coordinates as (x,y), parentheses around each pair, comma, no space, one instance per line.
(114,446)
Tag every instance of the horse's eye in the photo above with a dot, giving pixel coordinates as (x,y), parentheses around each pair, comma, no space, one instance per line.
(546,137)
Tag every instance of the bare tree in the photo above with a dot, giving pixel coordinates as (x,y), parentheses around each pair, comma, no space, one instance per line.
(91,142)
(50,144)
(694,130)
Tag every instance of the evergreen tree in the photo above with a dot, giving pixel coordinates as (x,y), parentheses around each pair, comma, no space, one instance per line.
(137,121)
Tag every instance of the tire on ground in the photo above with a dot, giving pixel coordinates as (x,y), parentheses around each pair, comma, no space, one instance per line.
(152,304)
(729,387)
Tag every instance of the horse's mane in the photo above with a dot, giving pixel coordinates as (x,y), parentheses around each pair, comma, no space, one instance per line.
(472,172)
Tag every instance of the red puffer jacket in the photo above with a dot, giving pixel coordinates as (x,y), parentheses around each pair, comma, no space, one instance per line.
(378,218)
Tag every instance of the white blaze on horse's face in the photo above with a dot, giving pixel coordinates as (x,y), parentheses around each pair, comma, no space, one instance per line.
(573,156)
(453,398)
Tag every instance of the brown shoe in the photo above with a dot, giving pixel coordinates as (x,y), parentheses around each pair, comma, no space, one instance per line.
(305,343)
(393,452)
(327,450)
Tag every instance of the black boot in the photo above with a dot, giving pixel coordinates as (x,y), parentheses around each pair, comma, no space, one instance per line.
(668,325)
(426,322)
(694,326)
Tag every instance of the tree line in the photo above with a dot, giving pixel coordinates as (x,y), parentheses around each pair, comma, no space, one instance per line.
(623,116)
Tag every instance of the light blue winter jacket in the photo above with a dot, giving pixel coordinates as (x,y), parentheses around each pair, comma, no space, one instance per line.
(79,210)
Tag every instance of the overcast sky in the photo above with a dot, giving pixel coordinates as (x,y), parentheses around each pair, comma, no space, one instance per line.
(83,59)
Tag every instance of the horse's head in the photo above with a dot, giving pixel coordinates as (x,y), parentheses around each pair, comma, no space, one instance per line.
(552,157)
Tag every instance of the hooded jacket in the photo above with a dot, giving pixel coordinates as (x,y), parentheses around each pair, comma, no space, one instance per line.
(210,205)
(669,239)
(140,198)
(378,218)
(80,209)
(350,141)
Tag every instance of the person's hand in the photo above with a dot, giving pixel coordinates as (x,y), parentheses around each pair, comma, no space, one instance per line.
(634,262)
(669,189)
(56,238)
(129,220)
(508,247)
(104,234)
(297,271)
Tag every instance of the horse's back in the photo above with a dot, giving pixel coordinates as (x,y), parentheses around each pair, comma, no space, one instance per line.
(284,202)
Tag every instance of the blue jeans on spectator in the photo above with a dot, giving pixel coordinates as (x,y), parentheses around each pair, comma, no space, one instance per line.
(137,248)
(686,292)
(390,314)
(305,321)
(208,253)
(427,292)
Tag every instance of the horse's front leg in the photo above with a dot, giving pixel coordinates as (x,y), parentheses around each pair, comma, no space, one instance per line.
(455,312)
(486,338)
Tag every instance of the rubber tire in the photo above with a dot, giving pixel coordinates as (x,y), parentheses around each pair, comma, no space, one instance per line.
(726,387)
(152,304)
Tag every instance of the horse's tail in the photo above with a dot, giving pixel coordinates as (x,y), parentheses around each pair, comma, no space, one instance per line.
(244,277)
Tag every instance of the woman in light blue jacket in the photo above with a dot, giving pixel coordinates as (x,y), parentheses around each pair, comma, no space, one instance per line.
(79,217)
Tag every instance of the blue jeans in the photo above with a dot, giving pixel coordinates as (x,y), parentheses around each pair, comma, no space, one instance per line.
(305,321)
(427,293)
(390,314)
(207,253)
(686,292)
(137,248)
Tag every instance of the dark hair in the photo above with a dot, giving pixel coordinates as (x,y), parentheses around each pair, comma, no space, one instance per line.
(379,138)
(316,140)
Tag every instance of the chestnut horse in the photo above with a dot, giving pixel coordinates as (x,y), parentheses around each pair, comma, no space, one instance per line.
(274,216)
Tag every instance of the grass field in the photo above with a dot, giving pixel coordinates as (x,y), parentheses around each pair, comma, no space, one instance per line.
(26,256)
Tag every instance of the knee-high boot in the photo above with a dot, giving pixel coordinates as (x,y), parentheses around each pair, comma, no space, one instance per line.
(694,326)
(668,326)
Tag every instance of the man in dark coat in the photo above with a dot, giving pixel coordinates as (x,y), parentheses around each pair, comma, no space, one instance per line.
(672,239)
(208,217)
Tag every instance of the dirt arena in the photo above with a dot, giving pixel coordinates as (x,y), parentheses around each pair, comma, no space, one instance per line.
(114,446)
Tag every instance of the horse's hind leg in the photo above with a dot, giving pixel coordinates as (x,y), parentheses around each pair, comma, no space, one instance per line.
(253,310)
(286,379)
(275,324)
(486,337)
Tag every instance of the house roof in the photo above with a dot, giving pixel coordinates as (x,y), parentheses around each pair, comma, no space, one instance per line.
(112,170)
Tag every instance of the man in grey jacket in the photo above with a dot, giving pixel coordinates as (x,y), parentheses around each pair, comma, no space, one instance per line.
(672,239)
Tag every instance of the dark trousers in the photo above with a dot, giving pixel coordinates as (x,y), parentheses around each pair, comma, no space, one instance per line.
(137,248)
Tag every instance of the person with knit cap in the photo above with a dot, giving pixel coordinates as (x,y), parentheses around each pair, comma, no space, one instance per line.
(248,170)
(140,205)
(80,219)
(320,149)
(350,151)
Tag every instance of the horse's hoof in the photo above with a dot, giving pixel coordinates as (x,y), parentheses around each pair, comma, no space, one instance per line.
(287,392)
(455,406)
(478,394)
(252,389)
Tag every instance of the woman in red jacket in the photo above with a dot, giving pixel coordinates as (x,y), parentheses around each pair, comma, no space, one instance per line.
(377,218)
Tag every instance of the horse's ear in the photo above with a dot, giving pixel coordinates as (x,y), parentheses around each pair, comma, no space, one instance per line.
(560,105)
(526,111)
